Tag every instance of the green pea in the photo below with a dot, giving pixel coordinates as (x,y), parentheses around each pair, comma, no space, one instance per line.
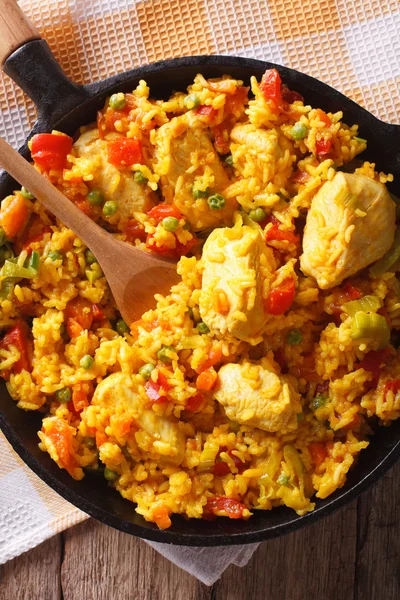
(299,131)
(229,160)
(164,354)
(216,202)
(110,208)
(3,237)
(86,362)
(170,223)
(257,214)
(202,328)
(110,475)
(90,257)
(318,402)
(283,479)
(191,101)
(117,101)
(294,337)
(121,327)
(146,371)
(95,197)
(200,193)
(26,194)
(64,395)
(56,255)
(139,177)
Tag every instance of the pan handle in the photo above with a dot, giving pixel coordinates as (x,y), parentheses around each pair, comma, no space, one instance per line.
(28,60)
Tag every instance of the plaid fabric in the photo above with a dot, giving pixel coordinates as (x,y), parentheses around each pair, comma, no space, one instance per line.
(353,45)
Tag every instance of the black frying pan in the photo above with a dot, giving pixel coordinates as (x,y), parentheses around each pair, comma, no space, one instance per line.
(65,106)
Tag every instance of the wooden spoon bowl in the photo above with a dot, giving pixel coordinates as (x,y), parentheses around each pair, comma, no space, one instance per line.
(134,276)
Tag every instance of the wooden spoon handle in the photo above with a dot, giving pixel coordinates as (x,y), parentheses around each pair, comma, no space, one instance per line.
(15,29)
(52,199)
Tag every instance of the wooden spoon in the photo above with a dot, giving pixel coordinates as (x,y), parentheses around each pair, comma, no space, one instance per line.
(133,276)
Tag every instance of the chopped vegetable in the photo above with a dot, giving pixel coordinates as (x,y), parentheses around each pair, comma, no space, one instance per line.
(11,269)
(270,85)
(207,379)
(146,371)
(117,101)
(225,506)
(283,479)
(56,255)
(280,299)
(121,327)
(18,337)
(216,202)
(370,326)
(391,386)
(170,224)
(365,304)
(200,193)
(299,131)
(64,395)
(275,233)
(323,146)
(90,257)
(318,452)
(26,194)
(319,401)
(110,208)
(202,328)
(294,337)
(191,101)
(388,259)
(229,160)
(124,151)
(194,403)
(110,475)
(7,286)
(86,362)
(164,354)
(206,111)
(163,210)
(13,218)
(322,116)
(50,150)
(360,140)
(95,197)
(140,178)
(257,214)
(207,458)
(33,261)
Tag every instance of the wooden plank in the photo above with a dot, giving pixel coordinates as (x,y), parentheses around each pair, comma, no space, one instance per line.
(35,575)
(378,558)
(318,562)
(101,563)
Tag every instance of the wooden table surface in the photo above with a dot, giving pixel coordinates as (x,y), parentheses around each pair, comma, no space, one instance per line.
(352,555)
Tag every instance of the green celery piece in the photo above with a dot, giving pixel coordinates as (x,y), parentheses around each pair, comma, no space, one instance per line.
(388,259)
(370,326)
(7,286)
(10,269)
(364,304)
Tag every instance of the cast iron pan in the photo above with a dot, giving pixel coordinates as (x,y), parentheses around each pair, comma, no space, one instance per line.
(65,106)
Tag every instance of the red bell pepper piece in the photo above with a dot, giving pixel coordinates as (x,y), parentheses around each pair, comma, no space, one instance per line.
(135,230)
(17,336)
(232,508)
(195,402)
(13,218)
(391,386)
(323,146)
(281,298)
(163,210)
(124,151)
(49,150)
(206,111)
(290,96)
(275,233)
(270,85)
(373,362)
(318,452)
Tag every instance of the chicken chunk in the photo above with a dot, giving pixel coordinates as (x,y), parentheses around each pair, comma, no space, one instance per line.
(237,266)
(184,153)
(350,224)
(255,396)
(267,147)
(118,394)
(117,184)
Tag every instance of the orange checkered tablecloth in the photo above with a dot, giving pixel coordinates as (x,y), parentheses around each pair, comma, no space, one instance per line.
(354,45)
